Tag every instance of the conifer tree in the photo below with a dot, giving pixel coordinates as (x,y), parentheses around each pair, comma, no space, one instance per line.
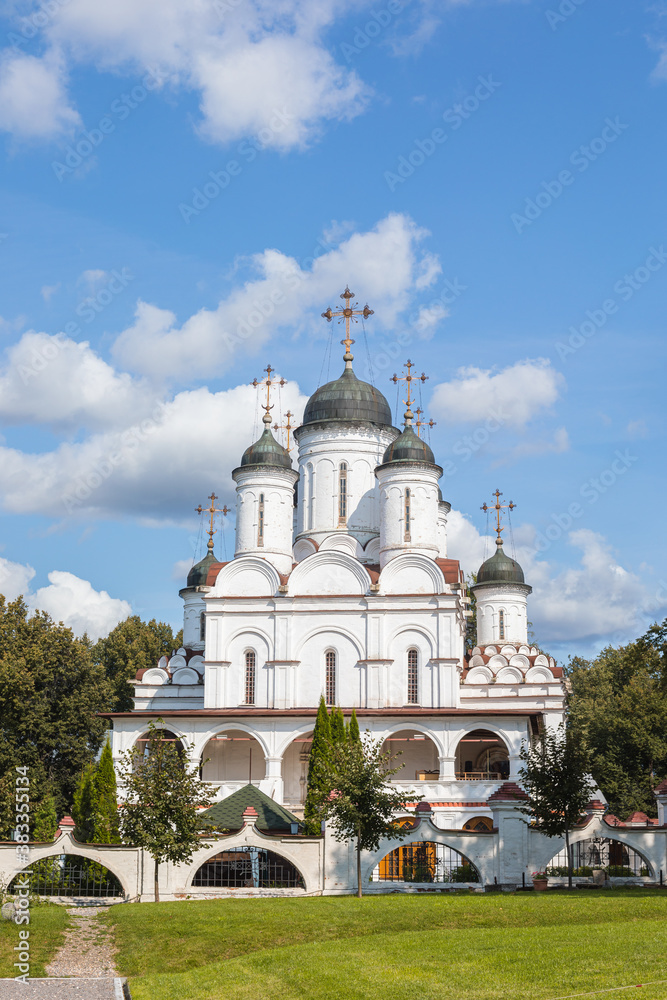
(353,729)
(321,739)
(83,806)
(338,732)
(45,820)
(106,827)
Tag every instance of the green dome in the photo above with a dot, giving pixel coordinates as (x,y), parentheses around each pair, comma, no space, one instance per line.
(347,399)
(500,569)
(266,451)
(199,573)
(408,448)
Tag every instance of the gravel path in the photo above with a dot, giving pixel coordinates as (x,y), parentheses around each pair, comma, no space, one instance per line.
(83,968)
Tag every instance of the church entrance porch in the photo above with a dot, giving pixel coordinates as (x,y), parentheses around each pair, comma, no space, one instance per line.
(418,757)
(232,759)
(482,756)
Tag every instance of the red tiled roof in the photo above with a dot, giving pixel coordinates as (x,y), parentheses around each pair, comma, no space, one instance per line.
(661,789)
(451,570)
(509,790)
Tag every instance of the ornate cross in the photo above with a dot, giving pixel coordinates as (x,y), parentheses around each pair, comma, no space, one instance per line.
(212,510)
(408,379)
(269,383)
(419,423)
(286,427)
(348,313)
(498,507)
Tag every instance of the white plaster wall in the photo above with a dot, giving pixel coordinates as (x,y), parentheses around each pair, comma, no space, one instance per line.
(321,450)
(510,598)
(193,605)
(277,487)
(422,481)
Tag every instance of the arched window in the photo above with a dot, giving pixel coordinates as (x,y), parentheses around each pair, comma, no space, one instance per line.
(260,520)
(407,516)
(202,627)
(330,682)
(501,624)
(250,677)
(413,677)
(342,493)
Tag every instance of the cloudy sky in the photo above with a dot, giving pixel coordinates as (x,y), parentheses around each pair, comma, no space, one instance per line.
(188,184)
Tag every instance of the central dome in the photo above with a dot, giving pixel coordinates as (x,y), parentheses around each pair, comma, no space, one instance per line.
(348,398)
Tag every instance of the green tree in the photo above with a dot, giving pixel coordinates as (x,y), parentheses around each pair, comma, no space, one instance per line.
(106,828)
(50,694)
(353,731)
(312,812)
(163,793)
(357,799)
(83,806)
(45,820)
(133,645)
(338,732)
(555,777)
(619,701)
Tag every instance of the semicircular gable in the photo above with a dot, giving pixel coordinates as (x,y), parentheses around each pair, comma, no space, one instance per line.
(247,576)
(479,675)
(509,675)
(329,573)
(539,675)
(412,573)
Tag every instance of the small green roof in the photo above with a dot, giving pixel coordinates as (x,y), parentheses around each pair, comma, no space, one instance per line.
(500,569)
(408,448)
(266,451)
(228,814)
(199,573)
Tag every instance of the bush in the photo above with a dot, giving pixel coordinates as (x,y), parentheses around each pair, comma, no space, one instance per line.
(463,873)
(561,871)
(619,871)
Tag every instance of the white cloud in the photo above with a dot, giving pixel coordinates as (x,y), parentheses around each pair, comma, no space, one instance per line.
(532,449)
(48,291)
(158,469)
(387,265)
(596,600)
(636,429)
(58,382)
(512,396)
(33,102)
(67,599)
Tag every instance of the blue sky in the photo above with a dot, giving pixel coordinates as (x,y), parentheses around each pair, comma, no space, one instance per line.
(489,176)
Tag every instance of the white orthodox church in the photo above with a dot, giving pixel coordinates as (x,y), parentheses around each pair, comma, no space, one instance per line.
(341,585)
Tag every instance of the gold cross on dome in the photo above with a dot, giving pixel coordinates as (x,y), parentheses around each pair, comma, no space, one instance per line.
(408,379)
(347,313)
(419,423)
(269,383)
(287,426)
(212,511)
(498,507)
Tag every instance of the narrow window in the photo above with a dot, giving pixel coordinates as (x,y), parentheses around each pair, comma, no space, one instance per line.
(413,679)
(330,686)
(342,493)
(407,515)
(501,624)
(202,627)
(250,678)
(260,521)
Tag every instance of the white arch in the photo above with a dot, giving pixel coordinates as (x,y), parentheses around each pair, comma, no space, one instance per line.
(418,727)
(331,630)
(300,730)
(60,847)
(412,573)
(587,834)
(166,725)
(256,840)
(255,578)
(329,573)
(232,726)
(470,727)
(415,630)
(509,675)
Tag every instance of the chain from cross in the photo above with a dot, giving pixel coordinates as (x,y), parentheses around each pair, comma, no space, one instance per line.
(408,379)
(287,426)
(498,507)
(419,423)
(347,313)
(269,383)
(212,511)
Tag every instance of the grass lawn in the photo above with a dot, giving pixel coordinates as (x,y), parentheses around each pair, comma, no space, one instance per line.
(47,930)
(530,945)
